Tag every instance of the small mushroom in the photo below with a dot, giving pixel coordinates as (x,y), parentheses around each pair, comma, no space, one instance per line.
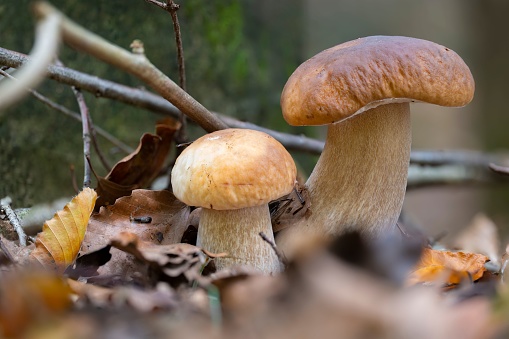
(233,174)
(362,89)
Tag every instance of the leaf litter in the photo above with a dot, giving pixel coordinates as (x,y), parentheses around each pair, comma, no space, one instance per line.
(139,273)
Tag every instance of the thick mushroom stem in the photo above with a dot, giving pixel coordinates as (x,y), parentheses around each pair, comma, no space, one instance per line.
(360,179)
(237,233)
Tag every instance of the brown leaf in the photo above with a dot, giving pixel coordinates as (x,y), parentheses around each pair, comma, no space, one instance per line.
(59,242)
(179,263)
(162,297)
(168,221)
(448,267)
(28,298)
(138,169)
(286,210)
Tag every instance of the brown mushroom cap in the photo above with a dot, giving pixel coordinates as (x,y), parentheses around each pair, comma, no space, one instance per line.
(231,169)
(364,73)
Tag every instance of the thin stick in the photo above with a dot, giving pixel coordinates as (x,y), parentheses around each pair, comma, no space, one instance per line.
(154,103)
(47,39)
(136,64)
(279,255)
(86,136)
(81,102)
(123,147)
(5,204)
(172,8)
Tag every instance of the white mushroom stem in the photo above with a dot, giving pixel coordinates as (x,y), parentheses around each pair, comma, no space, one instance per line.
(360,179)
(237,233)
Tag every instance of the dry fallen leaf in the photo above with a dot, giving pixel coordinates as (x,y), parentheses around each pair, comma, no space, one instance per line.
(154,216)
(28,298)
(138,169)
(481,236)
(174,263)
(448,267)
(162,297)
(59,242)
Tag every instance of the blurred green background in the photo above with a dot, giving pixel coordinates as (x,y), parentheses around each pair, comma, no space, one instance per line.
(239,55)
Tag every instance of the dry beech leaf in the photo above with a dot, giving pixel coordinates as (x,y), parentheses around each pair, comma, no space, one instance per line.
(154,216)
(138,169)
(448,267)
(179,263)
(59,242)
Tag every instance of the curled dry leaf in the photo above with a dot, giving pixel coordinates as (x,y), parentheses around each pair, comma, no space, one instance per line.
(154,216)
(138,169)
(448,267)
(59,242)
(174,263)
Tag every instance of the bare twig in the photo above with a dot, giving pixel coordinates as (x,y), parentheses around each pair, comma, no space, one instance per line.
(149,101)
(31,74)
(172,8)
(136,64)
(86,136)
(447,174)
(91,129)
(154,103)
(5,205)
(280,256)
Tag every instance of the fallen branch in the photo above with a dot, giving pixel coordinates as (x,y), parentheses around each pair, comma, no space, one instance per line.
(135,64)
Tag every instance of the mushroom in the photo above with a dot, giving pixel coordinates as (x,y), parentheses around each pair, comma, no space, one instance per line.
(233,174)
(362,89)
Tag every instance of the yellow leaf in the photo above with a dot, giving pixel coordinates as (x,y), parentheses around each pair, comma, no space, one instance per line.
(448,267)
(59,242)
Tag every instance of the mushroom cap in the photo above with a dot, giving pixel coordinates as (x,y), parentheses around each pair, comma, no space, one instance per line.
(361,74)
(231,169)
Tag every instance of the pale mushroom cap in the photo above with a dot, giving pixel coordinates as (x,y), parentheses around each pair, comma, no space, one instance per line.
(232,169)
(348,78)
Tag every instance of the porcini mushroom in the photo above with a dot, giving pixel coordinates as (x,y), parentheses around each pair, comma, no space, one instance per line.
(233,174)
(362,90)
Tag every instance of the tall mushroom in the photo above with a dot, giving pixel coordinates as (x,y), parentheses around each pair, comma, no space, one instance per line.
(233,174)
(362,90)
